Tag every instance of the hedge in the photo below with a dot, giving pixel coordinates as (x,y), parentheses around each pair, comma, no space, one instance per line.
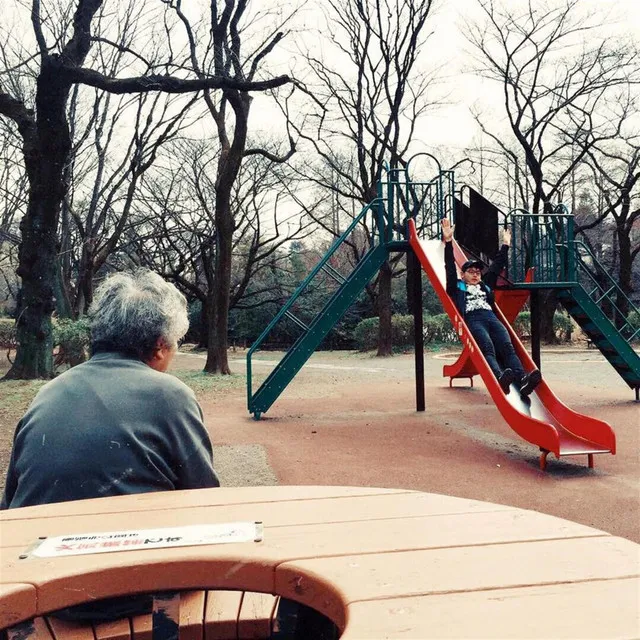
(436,328)
(562,325)
(71,337)
(7,333)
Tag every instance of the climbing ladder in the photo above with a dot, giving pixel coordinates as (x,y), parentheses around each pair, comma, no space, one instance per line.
(313,330)
(594,304)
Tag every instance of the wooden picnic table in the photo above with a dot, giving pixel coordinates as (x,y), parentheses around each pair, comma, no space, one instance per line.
(381,563)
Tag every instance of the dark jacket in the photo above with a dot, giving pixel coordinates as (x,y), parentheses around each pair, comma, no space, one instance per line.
(111,426)
(457,289)
(108,427)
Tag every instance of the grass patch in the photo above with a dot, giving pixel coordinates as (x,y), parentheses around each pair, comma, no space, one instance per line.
(17,394)
(202,382)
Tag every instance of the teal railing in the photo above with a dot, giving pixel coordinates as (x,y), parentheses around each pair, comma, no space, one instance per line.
(374,210)
(604,291)
(542,242)
(426,202)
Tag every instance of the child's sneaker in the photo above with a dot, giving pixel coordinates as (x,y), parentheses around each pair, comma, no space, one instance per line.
(505,380)
(530,382)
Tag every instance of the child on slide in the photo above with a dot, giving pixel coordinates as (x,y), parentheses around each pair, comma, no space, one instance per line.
(474,299)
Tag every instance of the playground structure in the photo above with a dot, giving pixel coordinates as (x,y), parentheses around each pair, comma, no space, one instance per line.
(545,255)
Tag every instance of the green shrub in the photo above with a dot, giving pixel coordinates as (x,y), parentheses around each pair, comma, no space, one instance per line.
(402,330)
(72,338)
(7,333)
(365,334)
(562,325)
(438,328)
(634,320)
(522,324)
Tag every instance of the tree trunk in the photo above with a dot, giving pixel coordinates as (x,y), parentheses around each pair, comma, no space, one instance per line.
(228,169)
(203,334)
(217,358)
(548,304)
(34,356)
(624,274)
(385,340)
(45,158)
(84,286)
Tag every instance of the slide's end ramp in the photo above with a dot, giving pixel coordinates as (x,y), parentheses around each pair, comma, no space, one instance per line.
(541,419)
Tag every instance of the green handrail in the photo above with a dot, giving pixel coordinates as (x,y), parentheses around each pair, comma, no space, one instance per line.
(542,241)
(433,198)
(377,203)
(578,246)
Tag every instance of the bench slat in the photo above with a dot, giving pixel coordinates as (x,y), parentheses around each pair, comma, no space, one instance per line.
(67,630)
(114,630)
(192,605)
(221,615)
(255,621)
(142,627)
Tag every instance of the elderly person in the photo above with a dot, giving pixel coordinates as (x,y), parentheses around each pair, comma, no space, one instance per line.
(474,299)
(116,424)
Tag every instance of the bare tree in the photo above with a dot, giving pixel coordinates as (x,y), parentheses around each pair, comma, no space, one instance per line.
(616,182)
(220,51)
(555,69)
(94,218)
(370,97)
(12,205)
(178,238)
(64,35)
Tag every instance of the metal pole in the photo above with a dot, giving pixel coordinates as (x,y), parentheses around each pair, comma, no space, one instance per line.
(534,302)
(415,304)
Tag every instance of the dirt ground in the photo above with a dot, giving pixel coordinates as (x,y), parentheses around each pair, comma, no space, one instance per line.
(350,419)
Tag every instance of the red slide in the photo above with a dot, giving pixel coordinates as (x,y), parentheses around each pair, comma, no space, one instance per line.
(542,420)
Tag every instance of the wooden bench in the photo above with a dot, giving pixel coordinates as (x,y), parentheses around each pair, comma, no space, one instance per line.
(379,563)
(210,615)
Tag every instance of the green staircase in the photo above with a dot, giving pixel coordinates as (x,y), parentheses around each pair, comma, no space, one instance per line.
(313,332)
(592,302)
(585,288)
(381,226)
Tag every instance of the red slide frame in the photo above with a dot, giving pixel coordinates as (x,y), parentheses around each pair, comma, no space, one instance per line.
(542,420)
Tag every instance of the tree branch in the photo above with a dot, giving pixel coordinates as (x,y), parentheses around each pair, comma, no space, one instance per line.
(122,48)
(15,110)
(37,27)
(167,84)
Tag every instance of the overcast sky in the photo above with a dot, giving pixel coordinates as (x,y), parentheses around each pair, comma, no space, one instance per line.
(454,125)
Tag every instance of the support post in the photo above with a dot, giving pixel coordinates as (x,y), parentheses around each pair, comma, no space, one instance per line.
(414,273)
(534,303)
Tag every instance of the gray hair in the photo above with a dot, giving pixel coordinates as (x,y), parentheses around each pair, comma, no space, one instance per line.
(130,312)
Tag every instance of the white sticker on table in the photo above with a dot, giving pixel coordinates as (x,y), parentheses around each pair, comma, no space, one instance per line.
(137,539)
